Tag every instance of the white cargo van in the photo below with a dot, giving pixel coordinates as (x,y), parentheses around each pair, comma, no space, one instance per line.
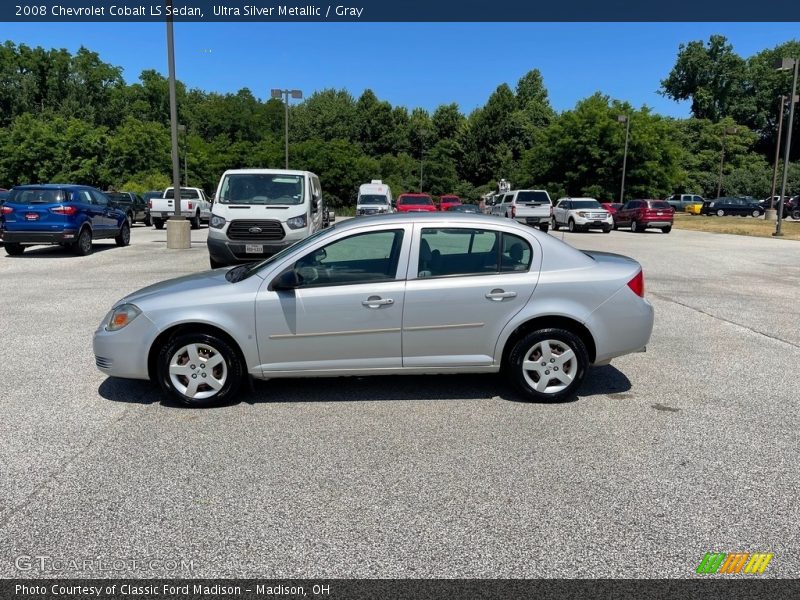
(374,198)
(258,212)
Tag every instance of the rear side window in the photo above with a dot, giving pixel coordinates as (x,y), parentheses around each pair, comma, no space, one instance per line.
(447,252)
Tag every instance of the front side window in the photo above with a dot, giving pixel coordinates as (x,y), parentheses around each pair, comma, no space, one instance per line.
(460,251)
(360,258)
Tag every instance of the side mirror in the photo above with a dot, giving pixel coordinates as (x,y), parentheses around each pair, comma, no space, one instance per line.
(288,280)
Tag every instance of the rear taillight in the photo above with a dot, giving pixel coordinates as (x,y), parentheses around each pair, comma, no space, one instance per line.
(64,210)
(190,206)
(551,210)
(637,284)
(149,204)
(7,210)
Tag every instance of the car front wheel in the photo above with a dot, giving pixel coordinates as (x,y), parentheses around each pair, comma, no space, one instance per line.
(571,226)
(720,213)
(199,369)
(549,365)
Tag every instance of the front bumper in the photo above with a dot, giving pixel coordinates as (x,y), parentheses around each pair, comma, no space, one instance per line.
(38,237)
(123,353)
(589,223)
(229,252)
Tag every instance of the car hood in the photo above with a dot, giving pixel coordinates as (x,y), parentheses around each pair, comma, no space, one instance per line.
(193,283)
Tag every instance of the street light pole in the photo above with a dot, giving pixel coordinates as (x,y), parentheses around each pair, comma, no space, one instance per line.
(781,108)
(785,64)
(178,235)
(624,119)
(728,130)
(284,94)
(182,129)
(422,134)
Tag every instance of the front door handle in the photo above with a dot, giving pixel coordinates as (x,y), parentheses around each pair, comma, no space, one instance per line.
(499,295)
(377,302)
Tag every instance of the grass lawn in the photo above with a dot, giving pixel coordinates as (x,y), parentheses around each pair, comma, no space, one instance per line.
(737,225)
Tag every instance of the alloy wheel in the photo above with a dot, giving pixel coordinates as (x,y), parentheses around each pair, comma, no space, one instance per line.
(550,366)
(198,371)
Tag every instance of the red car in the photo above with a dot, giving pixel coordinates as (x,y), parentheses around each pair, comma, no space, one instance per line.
(415,203)
(612,207)
(641,214)
(448,201)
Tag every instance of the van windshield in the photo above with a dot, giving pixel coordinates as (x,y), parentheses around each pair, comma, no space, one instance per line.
(272,189)
(372,199)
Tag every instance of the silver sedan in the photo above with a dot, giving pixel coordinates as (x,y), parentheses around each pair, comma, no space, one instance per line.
(394,294)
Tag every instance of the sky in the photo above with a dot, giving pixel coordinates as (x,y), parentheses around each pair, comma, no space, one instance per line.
(410,64)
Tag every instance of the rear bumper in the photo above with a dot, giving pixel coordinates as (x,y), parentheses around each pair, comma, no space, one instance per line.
(38,237)
(532,220)
(660,223)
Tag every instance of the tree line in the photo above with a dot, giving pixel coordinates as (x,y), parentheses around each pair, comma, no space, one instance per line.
(72,117)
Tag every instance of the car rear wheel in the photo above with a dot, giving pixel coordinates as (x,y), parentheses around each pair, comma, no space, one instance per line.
(147,221)
(158,223)
(720,213)
(199,369)
(667,229)
(549,365)
(124,237)
(756,213)
(544,227)
(554,224)
(195,221)
(83,245)
(796,214)
(14,249)
(635,227)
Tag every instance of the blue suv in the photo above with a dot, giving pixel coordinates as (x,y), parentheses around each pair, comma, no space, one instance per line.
(66,214)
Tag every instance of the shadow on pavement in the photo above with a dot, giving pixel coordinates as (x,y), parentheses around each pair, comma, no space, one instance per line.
(605,380)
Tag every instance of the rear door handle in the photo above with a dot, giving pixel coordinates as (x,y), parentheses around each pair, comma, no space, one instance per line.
(376,302)
(499,295)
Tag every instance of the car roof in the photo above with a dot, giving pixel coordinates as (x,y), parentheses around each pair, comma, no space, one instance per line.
(266,172)
(416,194)
(50,186)
(434,218)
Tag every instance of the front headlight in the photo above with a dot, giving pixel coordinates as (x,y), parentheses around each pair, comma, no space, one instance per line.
(217,222)
(122,316)
(581,213)
(297,222)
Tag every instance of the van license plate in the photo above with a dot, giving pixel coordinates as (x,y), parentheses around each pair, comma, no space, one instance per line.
(254,249)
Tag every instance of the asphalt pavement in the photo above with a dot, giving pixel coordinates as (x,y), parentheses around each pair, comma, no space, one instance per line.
(688,448)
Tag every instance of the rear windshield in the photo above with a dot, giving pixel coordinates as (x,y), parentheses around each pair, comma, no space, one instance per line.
(660,204)
(540,197)
(372,199)
(450,199)
(186,194)
(416,200)
(38,196)
(273,189)
(586,204)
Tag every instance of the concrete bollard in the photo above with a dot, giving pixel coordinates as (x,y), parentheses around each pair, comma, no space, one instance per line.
(771,214)
(179,234)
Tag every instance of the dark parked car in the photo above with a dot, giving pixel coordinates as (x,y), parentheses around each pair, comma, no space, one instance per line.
(66,214)
(730,205)
(465,208)
(641,214)
(134,207)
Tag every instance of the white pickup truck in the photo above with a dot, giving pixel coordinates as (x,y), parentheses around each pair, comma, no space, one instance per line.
(194,206)
(529,207)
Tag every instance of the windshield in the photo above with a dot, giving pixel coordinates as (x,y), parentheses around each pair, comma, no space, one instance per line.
(533,197)
(272,189)
(415,200)
(244,271)
(372,199)
(586,204)
(37,196)
(186,194)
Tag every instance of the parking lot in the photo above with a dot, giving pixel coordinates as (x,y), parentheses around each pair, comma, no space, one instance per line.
(689,448)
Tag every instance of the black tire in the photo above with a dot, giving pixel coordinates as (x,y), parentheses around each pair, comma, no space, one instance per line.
(83,245)
(607,229)
(124,236)
(796,214)
(615,226)
(571,226)
(230,370)
(545,227)
(147,221)
(526,349)
(129,217)
(554,224)
(195,221)
(720,213)
(158,223)
(14,249)
(635,227)
(215,264)
(755,214)
(666,229)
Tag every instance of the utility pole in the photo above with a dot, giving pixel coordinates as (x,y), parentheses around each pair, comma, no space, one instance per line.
(285,94)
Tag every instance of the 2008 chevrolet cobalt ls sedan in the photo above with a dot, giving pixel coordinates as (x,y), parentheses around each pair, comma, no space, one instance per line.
(394,294)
